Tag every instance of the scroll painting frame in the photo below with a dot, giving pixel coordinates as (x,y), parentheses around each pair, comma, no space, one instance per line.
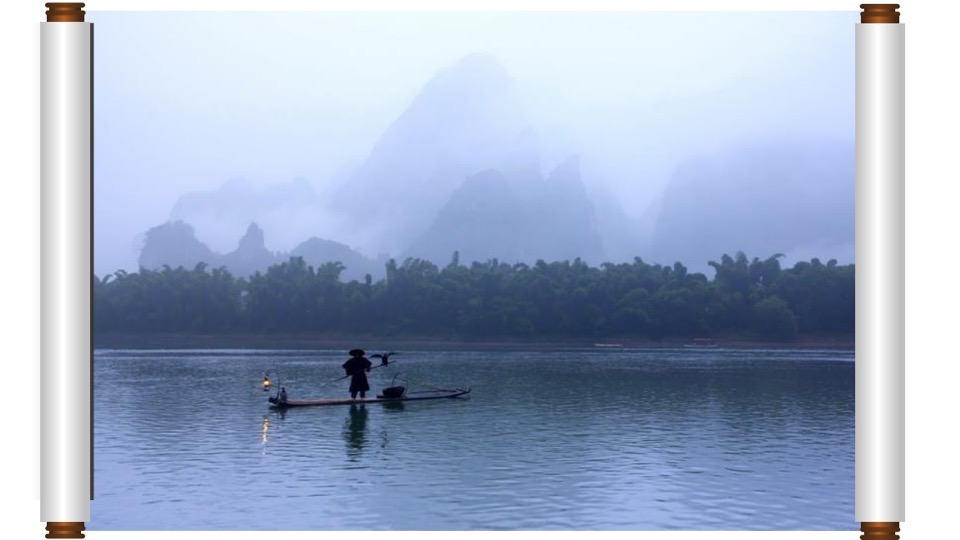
(168,6)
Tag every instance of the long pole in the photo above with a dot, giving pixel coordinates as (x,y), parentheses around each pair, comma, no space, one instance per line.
(66,180)
(879,504)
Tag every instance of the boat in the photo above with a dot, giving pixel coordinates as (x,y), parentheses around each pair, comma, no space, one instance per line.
(381,398)
(701,343)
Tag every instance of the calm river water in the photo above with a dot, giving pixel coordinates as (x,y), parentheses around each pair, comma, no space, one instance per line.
(588,439)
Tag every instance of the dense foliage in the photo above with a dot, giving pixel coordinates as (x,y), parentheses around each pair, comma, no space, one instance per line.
(748,299)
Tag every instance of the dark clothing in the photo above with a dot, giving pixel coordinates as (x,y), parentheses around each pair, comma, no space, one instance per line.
(357,368)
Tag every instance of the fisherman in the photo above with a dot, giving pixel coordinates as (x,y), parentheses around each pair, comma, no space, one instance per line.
(357,367)
(283,396)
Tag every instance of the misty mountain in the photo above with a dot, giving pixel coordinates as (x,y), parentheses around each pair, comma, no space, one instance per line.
(251,255)
(175,244)
(466,119)
(623,236)
(791,197)
(440,179)
(221,215)
(515,215)
(317,251)
(460,170)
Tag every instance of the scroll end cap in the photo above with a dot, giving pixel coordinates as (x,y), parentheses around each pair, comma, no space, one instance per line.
(65,529)
(880,13)
(880,531)
(65,12)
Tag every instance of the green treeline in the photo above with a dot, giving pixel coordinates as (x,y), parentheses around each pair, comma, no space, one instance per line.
(747,299)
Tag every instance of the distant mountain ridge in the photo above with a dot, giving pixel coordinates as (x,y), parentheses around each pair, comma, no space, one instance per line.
(498,215)
(224,213)
(785,196)
(466,119)
(175,244)
(460,171)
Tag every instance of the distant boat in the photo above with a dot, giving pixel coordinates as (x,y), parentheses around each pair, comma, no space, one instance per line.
(701,343)
(608,344)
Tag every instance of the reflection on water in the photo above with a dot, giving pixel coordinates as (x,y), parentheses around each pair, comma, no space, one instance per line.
(355,430)
(265,426)
(577,439)
(393,406)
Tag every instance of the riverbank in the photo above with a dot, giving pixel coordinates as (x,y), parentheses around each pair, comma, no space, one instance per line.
(375,343)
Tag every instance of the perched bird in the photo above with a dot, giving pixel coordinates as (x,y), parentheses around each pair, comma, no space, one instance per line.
(384,358)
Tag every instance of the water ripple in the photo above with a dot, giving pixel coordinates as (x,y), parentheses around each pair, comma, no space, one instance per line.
(584,440)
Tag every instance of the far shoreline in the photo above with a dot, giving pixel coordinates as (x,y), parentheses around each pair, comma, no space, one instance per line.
(314,341)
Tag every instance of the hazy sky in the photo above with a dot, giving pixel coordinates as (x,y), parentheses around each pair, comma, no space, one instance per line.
(187,101)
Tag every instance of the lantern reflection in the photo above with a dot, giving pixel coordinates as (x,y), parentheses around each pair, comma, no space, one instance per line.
(265,426)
